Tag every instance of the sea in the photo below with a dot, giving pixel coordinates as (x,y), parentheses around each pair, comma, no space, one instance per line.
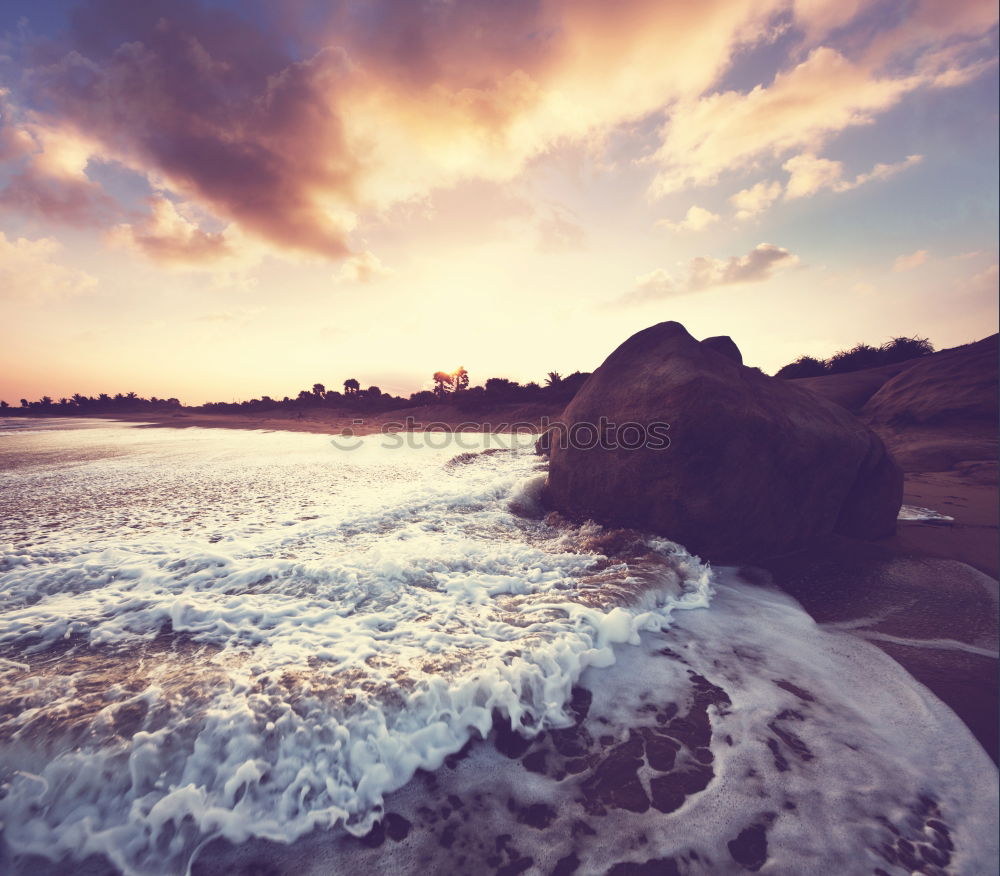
(252,652)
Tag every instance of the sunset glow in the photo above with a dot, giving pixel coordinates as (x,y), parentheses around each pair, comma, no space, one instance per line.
(218,200)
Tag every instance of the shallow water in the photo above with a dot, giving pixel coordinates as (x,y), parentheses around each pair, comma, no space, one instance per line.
(243,637)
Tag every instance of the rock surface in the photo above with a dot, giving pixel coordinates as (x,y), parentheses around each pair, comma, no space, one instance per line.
(852,389)
(756,466)
(958,385)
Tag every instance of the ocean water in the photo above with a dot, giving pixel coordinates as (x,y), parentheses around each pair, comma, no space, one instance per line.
(217,644)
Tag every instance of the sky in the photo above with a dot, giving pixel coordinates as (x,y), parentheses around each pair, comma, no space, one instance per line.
(222,200)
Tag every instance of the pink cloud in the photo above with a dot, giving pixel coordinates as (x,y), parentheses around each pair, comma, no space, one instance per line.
(397,99)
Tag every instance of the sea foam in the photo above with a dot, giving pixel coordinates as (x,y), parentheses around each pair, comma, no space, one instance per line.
(243,635)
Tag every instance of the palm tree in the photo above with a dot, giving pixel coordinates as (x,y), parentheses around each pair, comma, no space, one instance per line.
(351,386)
(553,378)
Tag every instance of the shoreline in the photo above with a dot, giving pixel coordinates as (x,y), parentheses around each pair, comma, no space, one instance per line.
(918,578)
(425,418)
(973,537)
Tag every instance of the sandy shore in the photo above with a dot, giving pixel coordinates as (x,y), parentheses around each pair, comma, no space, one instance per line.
(326,421)
(967,496)
(926,595)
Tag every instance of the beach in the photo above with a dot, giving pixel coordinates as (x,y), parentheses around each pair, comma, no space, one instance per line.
(655,688)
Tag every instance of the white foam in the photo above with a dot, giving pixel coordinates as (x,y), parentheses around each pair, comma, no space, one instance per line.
(338,621)
(923,515)
(873,748)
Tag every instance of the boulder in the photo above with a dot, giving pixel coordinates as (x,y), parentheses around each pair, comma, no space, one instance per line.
(754,466)
(941,413)
(953,386)
(853,388)
(726,346)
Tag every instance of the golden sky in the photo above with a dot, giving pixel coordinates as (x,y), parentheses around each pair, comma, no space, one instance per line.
(218,200)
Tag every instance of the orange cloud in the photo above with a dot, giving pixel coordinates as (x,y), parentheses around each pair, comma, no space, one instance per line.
(48,165)
(165,235)
(399,99)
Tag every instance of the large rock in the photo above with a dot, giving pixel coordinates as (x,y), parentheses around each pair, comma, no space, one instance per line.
(957,385)
(853,388)
(941,413)
(756,466)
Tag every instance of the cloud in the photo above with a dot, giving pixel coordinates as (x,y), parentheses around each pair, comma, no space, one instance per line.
(48,171)
(756,266)
(364,267)
(803,107)
(909,262)
(167,236)
(749,202)
(652,286)
(809,174)
(701,273)
(15,142)
(559,231)
(696,219)
(28,271)
(391,100)
(984,283)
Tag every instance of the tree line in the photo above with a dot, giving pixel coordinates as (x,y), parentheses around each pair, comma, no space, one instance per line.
(92,404)
(857,358)
(451,387)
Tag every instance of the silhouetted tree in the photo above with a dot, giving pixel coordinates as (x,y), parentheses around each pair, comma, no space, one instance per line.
(570,385)
(902,349)
(373,392)
(442,380)
(553,378)
(3,404)
(351,386)
(460,379)
(858,357)
(318,390)
(501,386)
(804,366)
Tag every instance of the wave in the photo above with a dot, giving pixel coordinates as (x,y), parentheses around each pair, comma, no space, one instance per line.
(247,636)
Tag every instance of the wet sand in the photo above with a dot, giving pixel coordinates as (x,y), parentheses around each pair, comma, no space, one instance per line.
(334,421)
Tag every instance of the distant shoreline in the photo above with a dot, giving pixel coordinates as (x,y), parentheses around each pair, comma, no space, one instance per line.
(324,421)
